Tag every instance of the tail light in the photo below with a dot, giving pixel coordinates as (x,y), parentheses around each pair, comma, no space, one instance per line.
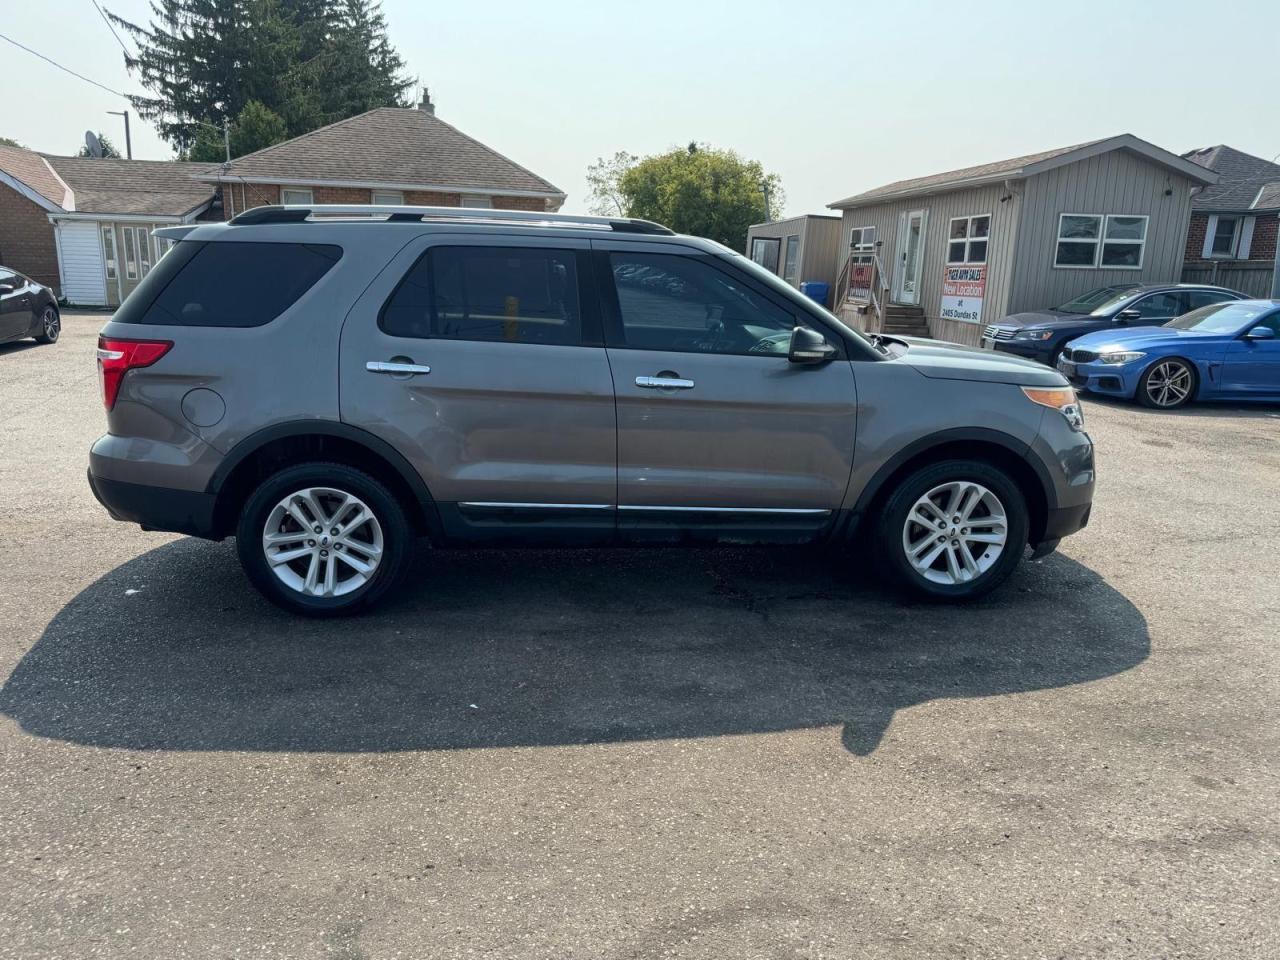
(118,357)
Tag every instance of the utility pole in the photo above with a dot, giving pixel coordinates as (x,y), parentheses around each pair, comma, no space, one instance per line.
(128,143)
(764,188)
(226,137)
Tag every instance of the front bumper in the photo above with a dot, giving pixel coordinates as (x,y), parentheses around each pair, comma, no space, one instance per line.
(1038,350)
(1108,379)
(156,508)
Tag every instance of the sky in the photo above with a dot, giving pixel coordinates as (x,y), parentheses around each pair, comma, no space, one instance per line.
(834,97)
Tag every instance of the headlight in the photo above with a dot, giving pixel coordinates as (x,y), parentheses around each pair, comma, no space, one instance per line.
(1033,335)
(1062,399)
(1124,356)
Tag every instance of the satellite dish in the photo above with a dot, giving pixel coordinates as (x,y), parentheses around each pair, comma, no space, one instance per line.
(92,143)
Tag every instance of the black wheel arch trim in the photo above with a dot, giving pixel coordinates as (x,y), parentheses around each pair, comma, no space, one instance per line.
(1018,448)
(251,444)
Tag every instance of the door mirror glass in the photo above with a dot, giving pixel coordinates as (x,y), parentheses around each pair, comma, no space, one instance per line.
(1124,316)
(1260,333)
(809,346)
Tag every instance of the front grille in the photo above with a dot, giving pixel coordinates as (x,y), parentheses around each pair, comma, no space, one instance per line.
(993,332)
(1081,356)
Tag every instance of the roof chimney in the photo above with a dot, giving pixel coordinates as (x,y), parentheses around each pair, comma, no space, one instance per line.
(426,105)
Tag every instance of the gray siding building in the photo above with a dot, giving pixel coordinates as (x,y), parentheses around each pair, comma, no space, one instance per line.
(797,249)
(961,249)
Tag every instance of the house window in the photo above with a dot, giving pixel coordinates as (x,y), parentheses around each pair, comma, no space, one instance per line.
(1123,240)
(764,251)
(485,202)
(109,250)
(862,240)
(1078,236)
(295,196)
(388,198)
(130,255)
(791,265)
(967,239)
(1115,241)
(1224,237)
(144,250)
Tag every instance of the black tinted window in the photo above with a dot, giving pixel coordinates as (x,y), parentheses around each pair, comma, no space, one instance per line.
(687,305)
(1202,298)
(1160,306)
(512,294)
(229,284)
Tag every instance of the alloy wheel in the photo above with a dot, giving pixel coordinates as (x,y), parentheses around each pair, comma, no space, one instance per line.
(322,542)
(1169,383)
(955,532)
(51,324)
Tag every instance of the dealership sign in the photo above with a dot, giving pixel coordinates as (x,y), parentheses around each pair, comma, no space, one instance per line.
(963,288)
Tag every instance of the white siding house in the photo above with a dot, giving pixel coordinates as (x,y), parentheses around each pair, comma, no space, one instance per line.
(80,262)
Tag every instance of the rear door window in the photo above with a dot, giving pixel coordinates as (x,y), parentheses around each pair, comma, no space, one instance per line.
(228,284)
(1161,306)
(1202,298)
(501,294)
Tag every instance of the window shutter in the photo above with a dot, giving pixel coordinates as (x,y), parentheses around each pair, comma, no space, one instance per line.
(1209,230)
(1246,238)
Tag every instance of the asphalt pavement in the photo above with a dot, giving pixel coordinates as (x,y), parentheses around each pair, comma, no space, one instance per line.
(652,753)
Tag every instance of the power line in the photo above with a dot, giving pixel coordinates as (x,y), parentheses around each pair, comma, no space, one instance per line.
(111,27)
(55,63)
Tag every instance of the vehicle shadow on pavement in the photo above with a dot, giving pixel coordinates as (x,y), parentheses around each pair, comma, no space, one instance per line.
(174,651)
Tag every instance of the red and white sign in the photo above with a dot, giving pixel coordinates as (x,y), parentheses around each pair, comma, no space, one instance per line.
(964,286)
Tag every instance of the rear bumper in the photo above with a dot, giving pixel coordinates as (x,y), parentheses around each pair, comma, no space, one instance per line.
(156,508)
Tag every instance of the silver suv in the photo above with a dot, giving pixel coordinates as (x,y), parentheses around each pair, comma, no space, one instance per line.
(328,383)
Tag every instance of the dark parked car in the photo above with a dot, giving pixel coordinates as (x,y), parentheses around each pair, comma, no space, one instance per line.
(1041,334)
(27,309)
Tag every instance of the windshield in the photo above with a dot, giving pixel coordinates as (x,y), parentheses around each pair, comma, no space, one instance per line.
(1099,301)
(1220,317)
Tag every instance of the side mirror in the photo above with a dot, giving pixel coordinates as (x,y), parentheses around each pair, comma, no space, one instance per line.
(809,346)
(1260,333)
(6,288)
(1124,316)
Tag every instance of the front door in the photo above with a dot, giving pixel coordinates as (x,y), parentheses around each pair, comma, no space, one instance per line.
(910,257)
(480,360)
(717,431)
(1251,367)
(15,305)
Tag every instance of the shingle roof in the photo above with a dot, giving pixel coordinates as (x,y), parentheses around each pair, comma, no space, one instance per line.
(31,169)
(133,187)
(1241,177)
(391,145)
(1268,197)
(1022,166)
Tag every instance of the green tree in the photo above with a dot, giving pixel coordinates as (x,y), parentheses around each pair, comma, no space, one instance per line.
(308,62)
(256,127)
(10,142)
(108,148)
(698,189)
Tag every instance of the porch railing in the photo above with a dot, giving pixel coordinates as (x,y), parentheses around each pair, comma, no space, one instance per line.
(870,300)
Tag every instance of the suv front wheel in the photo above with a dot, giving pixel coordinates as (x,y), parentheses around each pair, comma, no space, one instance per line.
(953,530)
(323,539)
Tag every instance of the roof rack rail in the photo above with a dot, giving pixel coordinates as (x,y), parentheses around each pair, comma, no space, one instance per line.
(528,218)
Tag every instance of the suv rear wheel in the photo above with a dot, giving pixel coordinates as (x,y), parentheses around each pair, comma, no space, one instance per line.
(323,539)
(953,530)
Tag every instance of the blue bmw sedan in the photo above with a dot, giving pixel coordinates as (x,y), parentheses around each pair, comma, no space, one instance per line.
(1226,351)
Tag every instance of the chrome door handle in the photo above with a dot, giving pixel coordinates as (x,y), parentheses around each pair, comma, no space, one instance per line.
(396,367)
(664,383)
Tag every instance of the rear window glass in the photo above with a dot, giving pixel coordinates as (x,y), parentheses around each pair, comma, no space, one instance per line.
(229,284)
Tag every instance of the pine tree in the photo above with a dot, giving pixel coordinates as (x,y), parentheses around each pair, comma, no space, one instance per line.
(308,62)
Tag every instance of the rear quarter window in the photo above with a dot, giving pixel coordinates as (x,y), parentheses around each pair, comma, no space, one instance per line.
(228,284)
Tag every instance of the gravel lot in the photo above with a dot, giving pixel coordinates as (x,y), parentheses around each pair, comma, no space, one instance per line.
(728,754)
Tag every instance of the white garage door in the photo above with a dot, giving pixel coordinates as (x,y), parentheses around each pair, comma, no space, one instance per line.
(80,252)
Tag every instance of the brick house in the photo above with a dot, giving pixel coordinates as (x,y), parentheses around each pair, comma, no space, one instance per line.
(84,226)
(1231,238)
(389,155)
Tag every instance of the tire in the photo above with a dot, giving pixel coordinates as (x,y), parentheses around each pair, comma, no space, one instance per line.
(299,585)
(1167,384)
(951,568)
(50,326)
